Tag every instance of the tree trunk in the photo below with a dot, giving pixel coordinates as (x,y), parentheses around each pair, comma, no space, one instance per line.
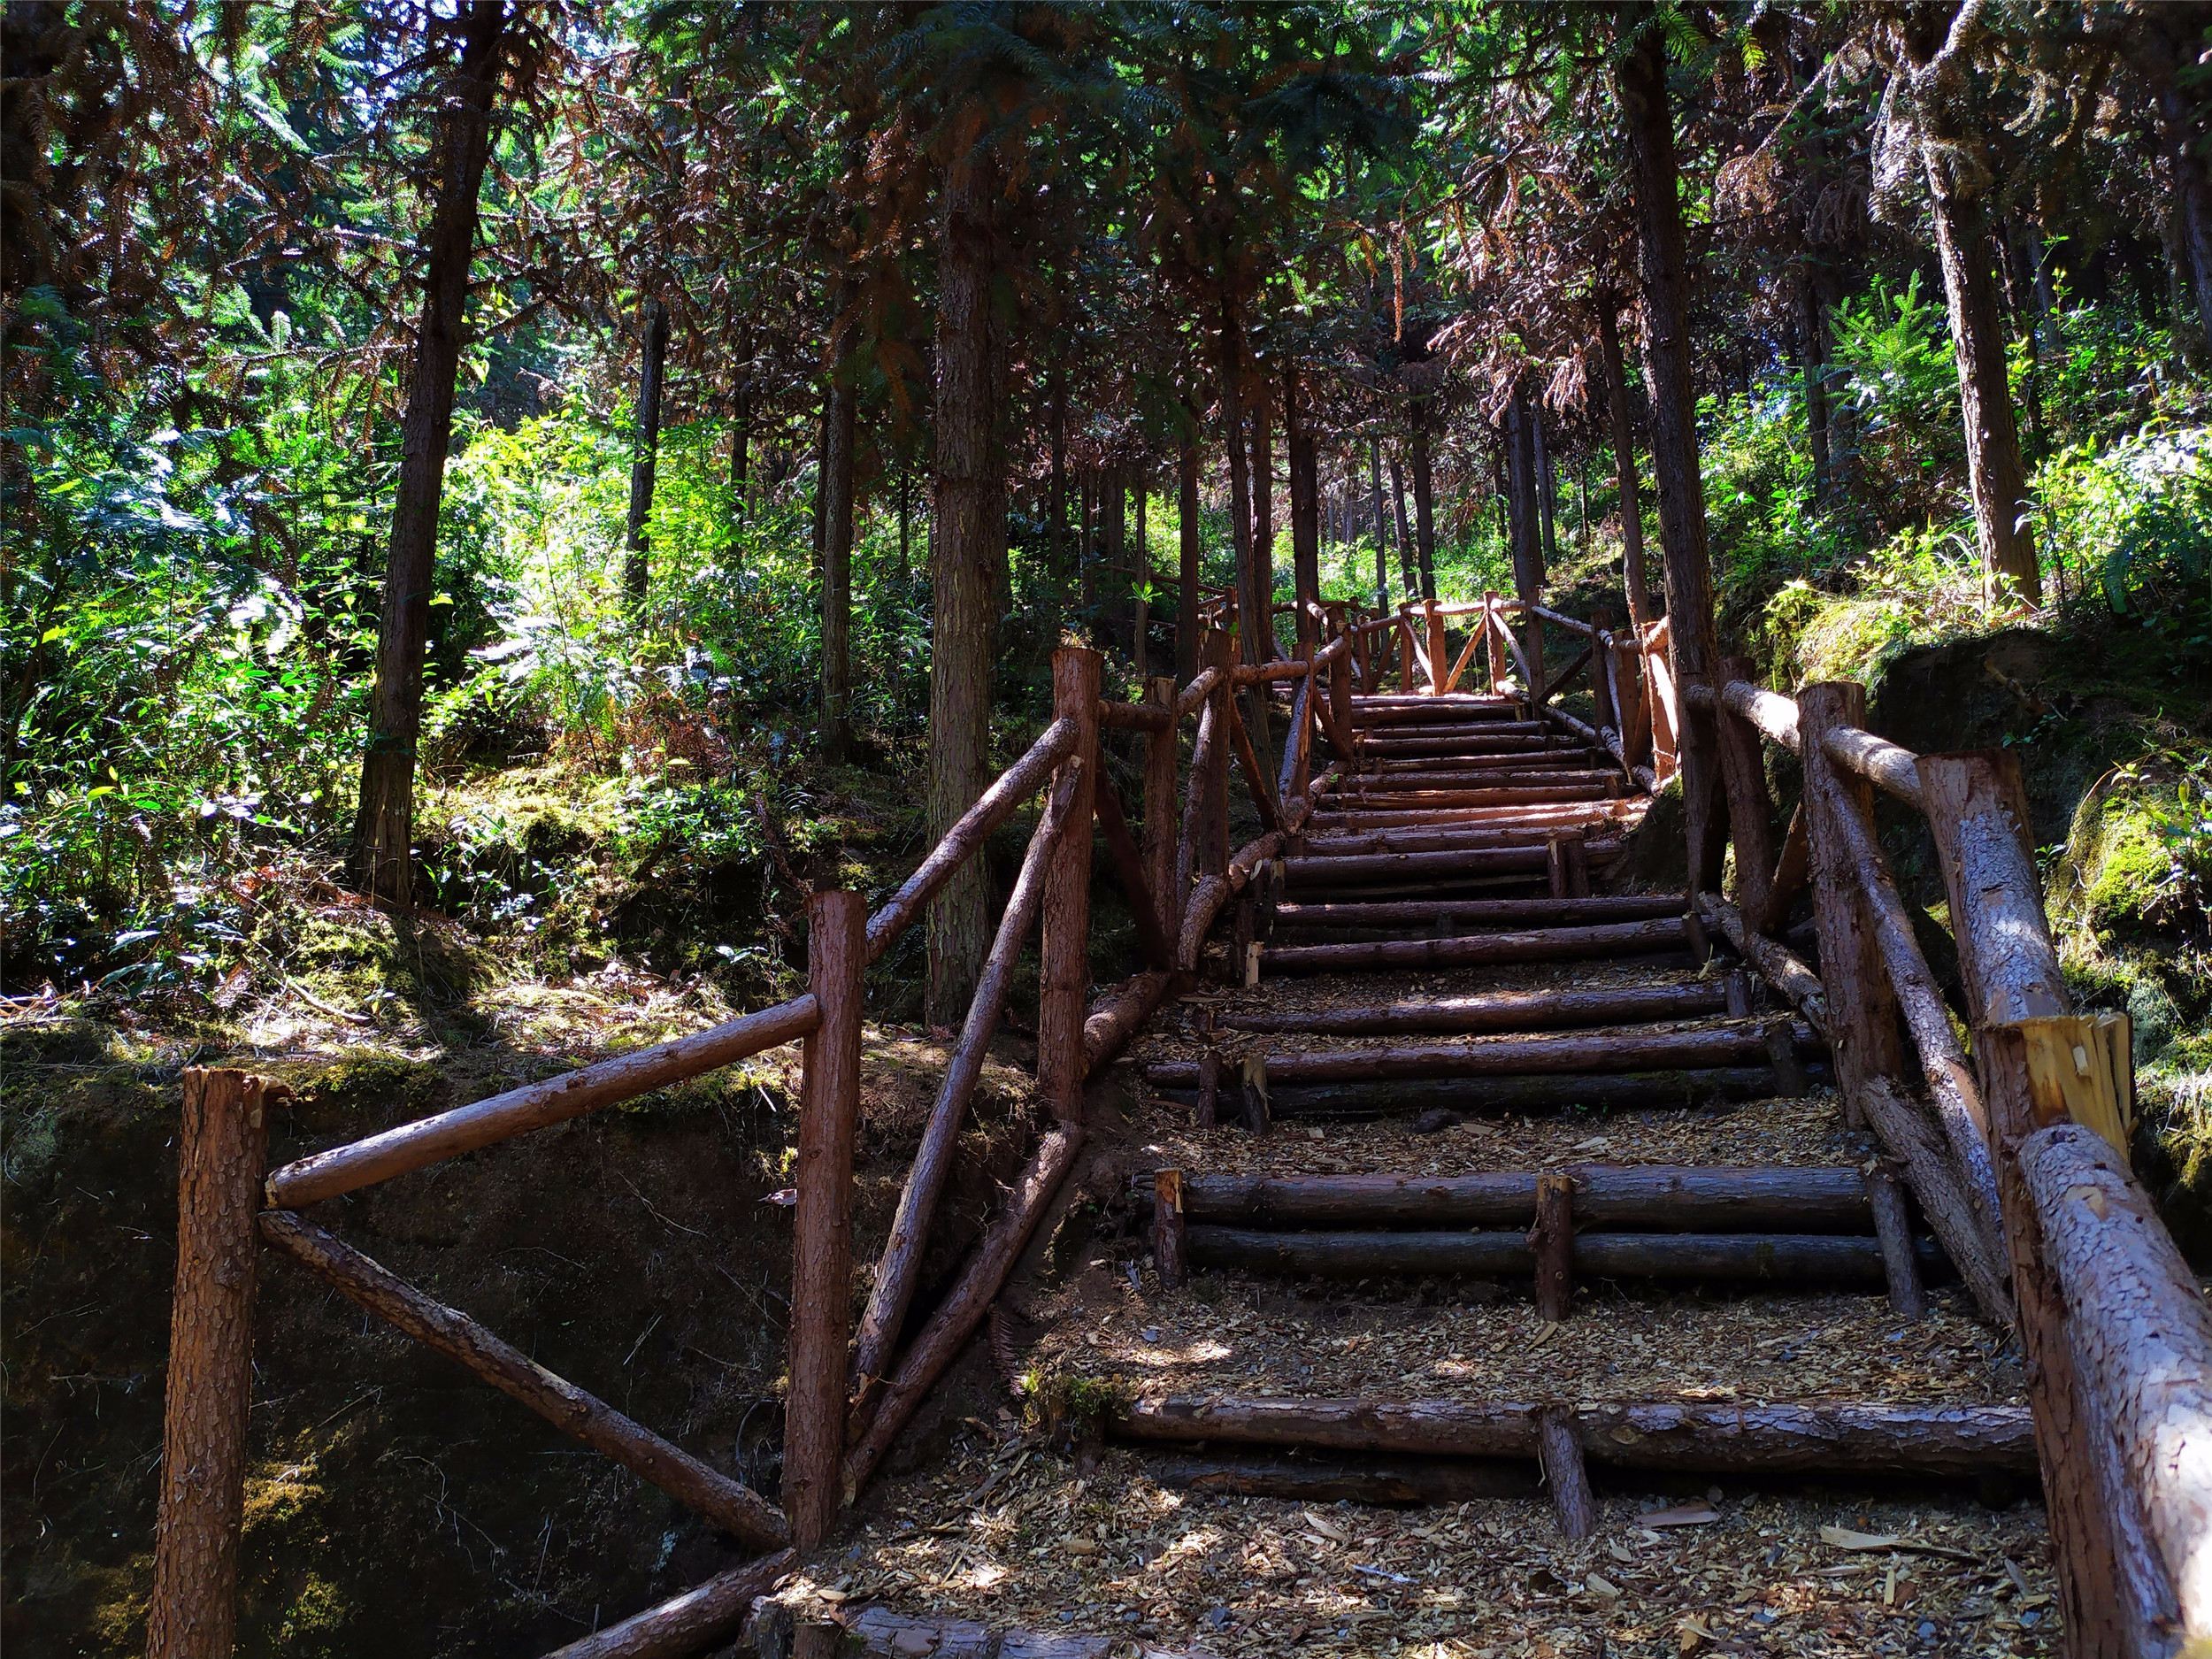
(1423,507)
(906,526)
(1812,365)
(1409,581)
(635,569)
(1187,566)
(1546,489)
(1525,514)
(383,829)
(1056,498)
(971,519)
(1305,511)
(1113,540)
(1254,583)
(1642,85)
(1940,95)
(741,425)
(1261,418)
(192,1611)
(836,497)
(1382,529)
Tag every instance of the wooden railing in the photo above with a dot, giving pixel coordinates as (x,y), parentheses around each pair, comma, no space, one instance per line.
(851,1392)
(2016,1140)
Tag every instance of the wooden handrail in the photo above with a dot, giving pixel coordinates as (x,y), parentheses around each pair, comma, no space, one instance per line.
(428,1140)
(1188,700)
(992,809)
(1887,767)
(1133,716)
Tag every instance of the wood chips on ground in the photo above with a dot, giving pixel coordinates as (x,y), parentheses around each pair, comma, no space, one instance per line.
(1007,1531)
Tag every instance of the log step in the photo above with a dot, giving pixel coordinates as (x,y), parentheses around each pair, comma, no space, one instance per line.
(1535,944)
(1534,762)
(1413,708)
(1363,869)
(1429,778)
(1412,800)
(1539,818)
(1830,1437)
(1491,739)
(1710,1198)
(1377,1480)
(1497,1011)
(1615,1091)
(1627,907)
(1770,1258)
(1513,1056)
(1448,838)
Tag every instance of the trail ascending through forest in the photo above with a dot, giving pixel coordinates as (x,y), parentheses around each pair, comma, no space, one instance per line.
(1489,1274)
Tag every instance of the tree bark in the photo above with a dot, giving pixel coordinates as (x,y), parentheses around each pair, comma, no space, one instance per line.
(1642,88)
(382,862)
(192,1612)
(839,422)
(1305,511)
(1382,533)
(1526,514)
(970,519)
(1409,580)
(688,1624)
(1057,488)
(1633,582)
(1255,584)
(821,1239)
(1812,366)
(1187,568)
(636,572)
(1064,977)
(1424,495)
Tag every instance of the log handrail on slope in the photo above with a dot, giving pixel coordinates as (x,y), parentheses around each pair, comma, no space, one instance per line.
(2117,1337)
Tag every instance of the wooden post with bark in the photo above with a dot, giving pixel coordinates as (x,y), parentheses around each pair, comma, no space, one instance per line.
(821,1242)
(1168,1227)
(1064,984)
(1159,827)
(222,1142)
(1861,1003)
(1553,1239)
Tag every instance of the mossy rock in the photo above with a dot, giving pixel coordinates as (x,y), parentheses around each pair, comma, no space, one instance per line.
(2117,877)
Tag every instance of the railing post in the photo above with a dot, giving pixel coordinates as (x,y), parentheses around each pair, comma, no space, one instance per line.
(1440,657)
(821,1235)
(1494,649)
(1632,712)
(1863,1006)
(1064,948)
(1213,841)
(222,1143)
(1341,733)
(1160,807)
(1601,671)
(1750,809)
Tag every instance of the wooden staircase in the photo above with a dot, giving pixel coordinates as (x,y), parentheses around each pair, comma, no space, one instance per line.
(1455,1076)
